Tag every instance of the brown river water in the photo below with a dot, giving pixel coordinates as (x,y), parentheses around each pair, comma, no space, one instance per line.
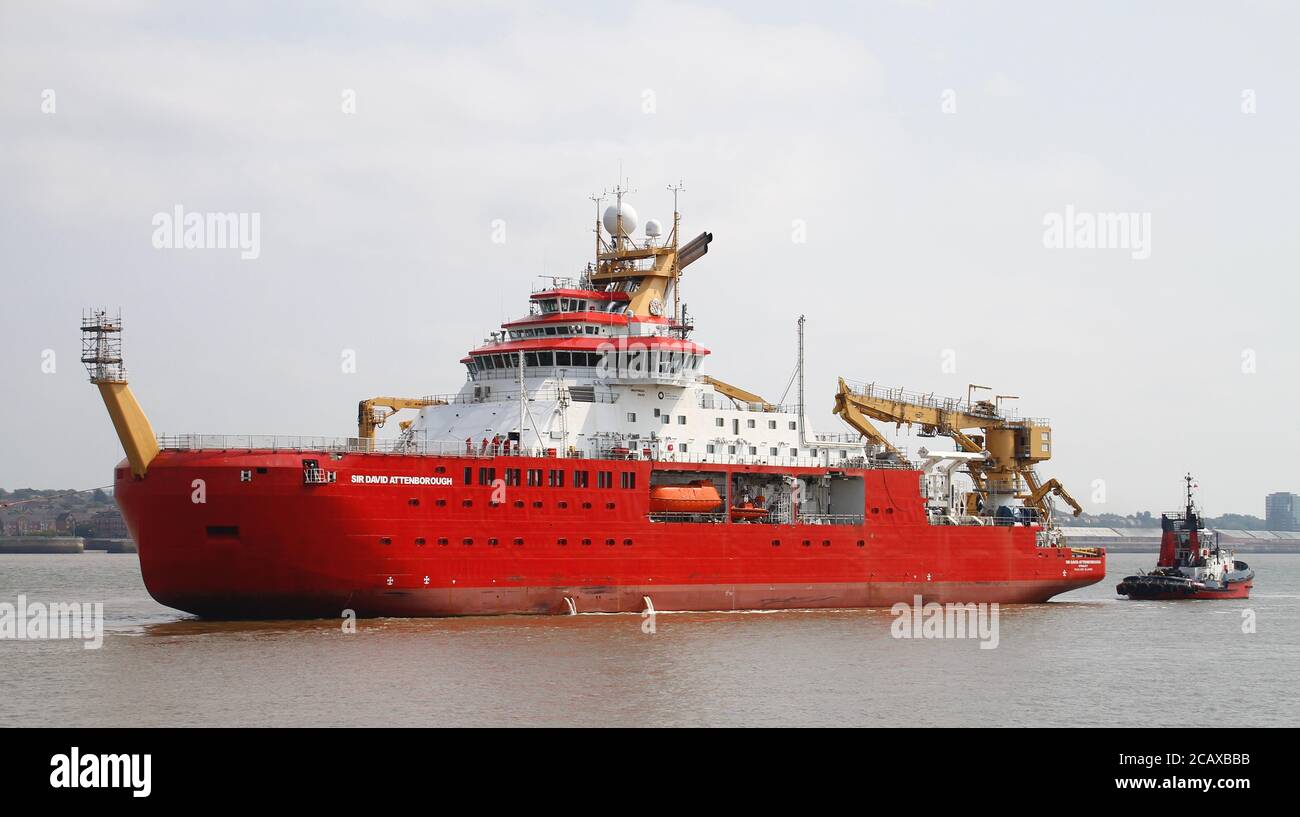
(1088,658)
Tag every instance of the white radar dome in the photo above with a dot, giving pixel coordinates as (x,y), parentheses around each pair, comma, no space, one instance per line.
(653,228)
(610,218)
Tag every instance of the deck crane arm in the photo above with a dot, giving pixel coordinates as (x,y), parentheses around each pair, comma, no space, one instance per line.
(848,410)
(736,393)
(368,419)
(1013,446)
(1039,493)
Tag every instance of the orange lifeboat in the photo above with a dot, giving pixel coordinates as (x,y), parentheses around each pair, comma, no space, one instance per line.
(698,497)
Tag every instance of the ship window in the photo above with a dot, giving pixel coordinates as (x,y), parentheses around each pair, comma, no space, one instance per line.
(414,503)
(776,543)
(793,425)
(731,449)
(773,451)
(627,541)
(512,476)
(718,421)
(667,419)
(794,452)
(492,542)
(261,470)
(467,541)
(469,475)
(419,540)
(545,359)
(534,477)
(518,540)
(555,478)
(753,450)
(442,540)
(586,505)
(530,358)
(468,503)
(656,412)
(683,448)
(711,448)
(537,503)
(441,469)
(486,476)
(385,540)
(629,479)
(812,452)
(586,541)
(563,359)
(631,416)
(609,542)
(550,330)
(771,423)
(562,504)
(750,424)
(561,542)
(580,479)
(486,362)
(843,453)
(605,479)
(681,419)
(223,531)
(441,503)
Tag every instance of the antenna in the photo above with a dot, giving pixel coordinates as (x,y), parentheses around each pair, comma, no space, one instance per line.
(677,269)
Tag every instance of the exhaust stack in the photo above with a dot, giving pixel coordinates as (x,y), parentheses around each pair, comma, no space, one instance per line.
(101,351)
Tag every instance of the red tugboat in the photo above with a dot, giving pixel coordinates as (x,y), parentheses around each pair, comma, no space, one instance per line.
(587,464)
(1191,564)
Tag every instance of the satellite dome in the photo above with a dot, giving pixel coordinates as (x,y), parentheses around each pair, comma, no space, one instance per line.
(653,228)
(610,218)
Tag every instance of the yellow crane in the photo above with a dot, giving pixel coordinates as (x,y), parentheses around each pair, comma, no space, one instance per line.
(1013,445)
(736,393)
(371,414)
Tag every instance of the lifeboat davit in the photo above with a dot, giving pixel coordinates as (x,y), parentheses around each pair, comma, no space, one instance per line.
(699,496)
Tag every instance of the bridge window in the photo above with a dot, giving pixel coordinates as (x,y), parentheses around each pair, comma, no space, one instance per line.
(629,479)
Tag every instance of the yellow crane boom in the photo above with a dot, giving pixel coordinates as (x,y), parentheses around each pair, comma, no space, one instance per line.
(371,414)
(736,393)
(1013,445)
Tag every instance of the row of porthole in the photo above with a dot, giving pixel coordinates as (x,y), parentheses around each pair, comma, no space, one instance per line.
(518,503)
(493,541)
(776,543)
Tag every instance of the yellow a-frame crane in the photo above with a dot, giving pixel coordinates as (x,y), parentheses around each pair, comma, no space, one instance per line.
(1012,445)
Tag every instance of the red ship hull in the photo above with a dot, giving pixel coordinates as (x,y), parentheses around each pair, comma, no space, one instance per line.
(237,534)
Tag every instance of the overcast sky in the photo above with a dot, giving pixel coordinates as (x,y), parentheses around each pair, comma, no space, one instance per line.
(917,148)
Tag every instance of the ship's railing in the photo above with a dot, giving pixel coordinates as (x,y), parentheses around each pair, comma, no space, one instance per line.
(829,519)
(477,448)
(934,401)
(460,398)
(708,518)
